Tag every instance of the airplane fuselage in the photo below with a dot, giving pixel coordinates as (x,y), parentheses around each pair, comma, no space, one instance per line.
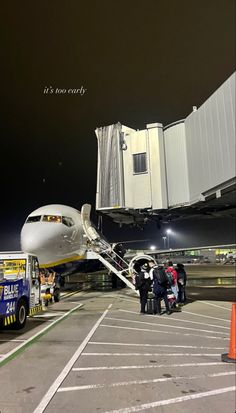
(55,234)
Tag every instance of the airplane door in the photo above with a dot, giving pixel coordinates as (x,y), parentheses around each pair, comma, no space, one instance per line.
(90,232)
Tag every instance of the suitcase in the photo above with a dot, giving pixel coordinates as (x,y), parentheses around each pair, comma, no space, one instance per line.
(150,305)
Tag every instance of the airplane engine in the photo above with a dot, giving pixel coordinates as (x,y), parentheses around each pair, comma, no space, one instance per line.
(137,262)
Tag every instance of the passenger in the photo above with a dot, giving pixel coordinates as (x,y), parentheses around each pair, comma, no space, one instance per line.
(143,283)
(181,279)
(119,251)
(160,286)
(174,284)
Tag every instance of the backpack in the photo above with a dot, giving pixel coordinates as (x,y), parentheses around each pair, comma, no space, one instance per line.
(170,277)
(160,277)
(181,276)
(138,281)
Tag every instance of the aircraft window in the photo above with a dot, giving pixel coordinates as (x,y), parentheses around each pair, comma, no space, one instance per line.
(140,163)
(35,218)
(35,268)
(52,218)
(68,221)
(12,268)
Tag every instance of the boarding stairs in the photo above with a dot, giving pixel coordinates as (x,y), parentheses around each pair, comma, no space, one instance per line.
(100,249)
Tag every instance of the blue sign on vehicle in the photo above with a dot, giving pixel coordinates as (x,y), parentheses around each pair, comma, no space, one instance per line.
(9,294)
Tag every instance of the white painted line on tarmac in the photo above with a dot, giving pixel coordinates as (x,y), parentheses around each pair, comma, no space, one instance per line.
(179,319)
(135,382)
(153,354)
(154,345)
(175,400)
(12,340)
(47,315)
(214,305)
(56,384)
(148,366)
(46,320)
(163,332)
(166,325)
(41,332)
(206,316)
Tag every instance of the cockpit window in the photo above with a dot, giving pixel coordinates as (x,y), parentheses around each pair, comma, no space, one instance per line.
(68,221)
(52,218)
(35,218)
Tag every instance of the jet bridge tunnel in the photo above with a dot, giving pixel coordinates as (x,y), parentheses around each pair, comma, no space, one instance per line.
(185,168)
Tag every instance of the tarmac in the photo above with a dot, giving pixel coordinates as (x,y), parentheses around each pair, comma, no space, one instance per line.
(94,353)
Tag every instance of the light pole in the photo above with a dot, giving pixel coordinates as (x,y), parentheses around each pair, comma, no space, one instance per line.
(164,239)
(168,231)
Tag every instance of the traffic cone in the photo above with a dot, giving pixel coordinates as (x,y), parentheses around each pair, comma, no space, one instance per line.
(231,356)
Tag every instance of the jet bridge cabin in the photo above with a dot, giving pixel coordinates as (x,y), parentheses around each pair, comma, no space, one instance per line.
(187,167)
(131,170)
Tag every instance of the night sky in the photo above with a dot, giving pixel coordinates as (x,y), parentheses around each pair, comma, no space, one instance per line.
(133,61)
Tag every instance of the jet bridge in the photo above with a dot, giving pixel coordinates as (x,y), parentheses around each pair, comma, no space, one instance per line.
(183,169)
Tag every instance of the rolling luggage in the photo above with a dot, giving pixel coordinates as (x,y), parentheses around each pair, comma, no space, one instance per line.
(172,300)
(150,304)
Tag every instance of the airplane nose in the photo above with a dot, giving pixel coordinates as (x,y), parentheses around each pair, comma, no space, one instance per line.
(30,242)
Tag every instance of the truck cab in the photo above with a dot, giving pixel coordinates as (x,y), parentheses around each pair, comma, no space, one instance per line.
(19,288)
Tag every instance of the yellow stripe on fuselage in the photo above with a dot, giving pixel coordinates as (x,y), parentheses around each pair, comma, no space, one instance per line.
(63,261)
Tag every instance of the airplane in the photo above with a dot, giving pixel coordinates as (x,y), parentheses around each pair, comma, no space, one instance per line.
(65,241)
(55,234)
(62,238)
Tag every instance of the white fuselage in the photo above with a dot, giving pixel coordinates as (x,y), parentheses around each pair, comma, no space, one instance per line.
(55,234)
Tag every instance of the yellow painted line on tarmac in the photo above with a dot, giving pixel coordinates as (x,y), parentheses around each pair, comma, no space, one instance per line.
(66,295)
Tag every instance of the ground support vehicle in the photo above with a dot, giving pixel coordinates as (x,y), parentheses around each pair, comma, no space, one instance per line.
(50,288)
(19,288)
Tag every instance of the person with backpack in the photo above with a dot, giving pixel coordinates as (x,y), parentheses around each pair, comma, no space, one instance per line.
(143,283)
(181,279)
(160,286)
(172,277)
